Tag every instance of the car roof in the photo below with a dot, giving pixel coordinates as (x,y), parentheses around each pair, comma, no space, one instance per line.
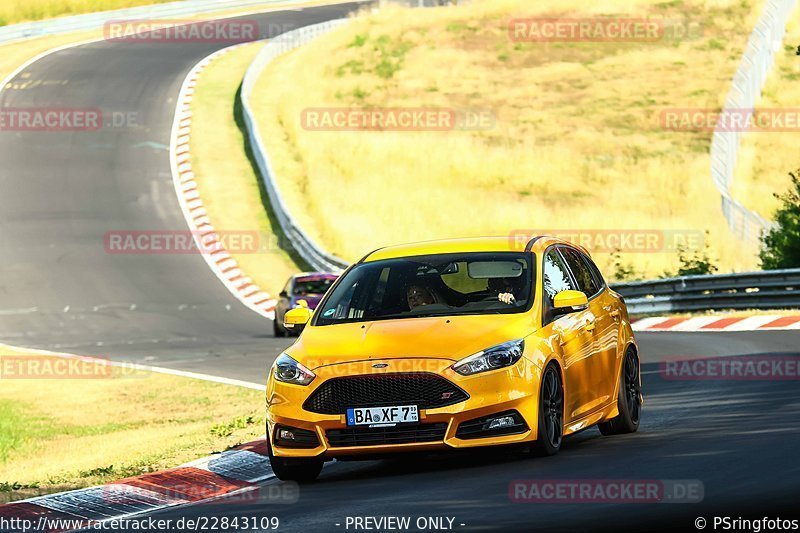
(510,243)
(311,276)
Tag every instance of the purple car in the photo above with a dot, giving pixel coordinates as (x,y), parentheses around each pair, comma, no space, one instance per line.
(308,286)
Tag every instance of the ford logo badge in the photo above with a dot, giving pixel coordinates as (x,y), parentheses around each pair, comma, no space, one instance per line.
(380,365)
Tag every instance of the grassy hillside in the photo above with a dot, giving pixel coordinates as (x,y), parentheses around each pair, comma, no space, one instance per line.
(766,157)
(578,141)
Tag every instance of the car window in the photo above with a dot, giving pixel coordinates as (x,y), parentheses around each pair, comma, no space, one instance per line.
(304,286)
(598,277)
(469,283)
(556,277)
(586,281)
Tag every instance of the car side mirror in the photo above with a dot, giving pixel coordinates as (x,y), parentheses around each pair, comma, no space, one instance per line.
(297,318)
(283,294)
(567,302)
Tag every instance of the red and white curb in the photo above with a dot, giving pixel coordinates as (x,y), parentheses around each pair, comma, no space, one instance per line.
(719,323)
(219,259)
(232,473)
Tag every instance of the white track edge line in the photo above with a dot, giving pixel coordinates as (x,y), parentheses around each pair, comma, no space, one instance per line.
(181,102)
(148,368)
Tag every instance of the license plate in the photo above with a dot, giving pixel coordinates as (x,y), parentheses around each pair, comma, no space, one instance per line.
(367,416)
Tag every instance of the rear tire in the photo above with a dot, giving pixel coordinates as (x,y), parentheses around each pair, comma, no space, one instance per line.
(295,469)
(551,413)
(629,400)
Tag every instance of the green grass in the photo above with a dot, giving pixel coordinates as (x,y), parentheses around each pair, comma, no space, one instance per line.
(58,434)
(15,429)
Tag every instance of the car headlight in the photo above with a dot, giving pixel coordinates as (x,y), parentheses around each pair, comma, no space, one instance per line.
(499,356)
(288,370)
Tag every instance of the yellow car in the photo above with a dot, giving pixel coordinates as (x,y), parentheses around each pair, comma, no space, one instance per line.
(453,344)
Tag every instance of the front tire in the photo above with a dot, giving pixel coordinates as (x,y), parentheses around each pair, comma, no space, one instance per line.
(629,400)
(295,469)
(276,328)
(551,413)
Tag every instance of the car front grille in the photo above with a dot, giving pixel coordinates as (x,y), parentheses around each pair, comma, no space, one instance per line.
(403,434)
(423,389)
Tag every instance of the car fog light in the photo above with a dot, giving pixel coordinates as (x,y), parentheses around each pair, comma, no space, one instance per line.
(289,437)
(501,422)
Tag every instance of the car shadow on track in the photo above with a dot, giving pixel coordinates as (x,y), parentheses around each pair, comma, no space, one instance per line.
(462,460)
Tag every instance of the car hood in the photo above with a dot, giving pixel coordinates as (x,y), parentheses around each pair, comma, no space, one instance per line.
(450,338)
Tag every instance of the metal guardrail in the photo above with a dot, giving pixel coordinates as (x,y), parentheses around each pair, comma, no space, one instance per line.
(92,21)
(757,61)
(769,289)
(309,250)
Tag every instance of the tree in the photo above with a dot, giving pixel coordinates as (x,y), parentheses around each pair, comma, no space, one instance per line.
(781,245)
(623,271)
(696,263)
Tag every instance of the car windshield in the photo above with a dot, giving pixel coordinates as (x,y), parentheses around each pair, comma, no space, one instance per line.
(431,285)
(311,286)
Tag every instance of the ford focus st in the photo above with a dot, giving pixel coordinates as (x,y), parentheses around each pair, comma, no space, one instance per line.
(453,344)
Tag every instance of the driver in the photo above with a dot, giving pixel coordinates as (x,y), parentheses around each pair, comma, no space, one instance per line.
(504,288)
(419,296)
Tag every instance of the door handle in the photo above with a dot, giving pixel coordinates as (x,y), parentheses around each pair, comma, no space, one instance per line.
(589,325)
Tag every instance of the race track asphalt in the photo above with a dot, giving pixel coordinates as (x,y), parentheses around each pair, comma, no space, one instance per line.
(63,191)
(60,290)
(737,440)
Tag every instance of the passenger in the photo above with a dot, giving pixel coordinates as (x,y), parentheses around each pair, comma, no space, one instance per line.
(419,296)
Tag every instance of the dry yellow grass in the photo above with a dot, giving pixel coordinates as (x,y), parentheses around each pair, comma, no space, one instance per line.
(13,11)
(57,434)
(578,142)
(765,159)
(225,179)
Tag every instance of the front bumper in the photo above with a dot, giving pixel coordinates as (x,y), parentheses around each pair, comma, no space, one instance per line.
(511,389)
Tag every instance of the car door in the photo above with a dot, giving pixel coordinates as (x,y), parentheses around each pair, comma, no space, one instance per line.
(609,339)
(575,335)
(602,363)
